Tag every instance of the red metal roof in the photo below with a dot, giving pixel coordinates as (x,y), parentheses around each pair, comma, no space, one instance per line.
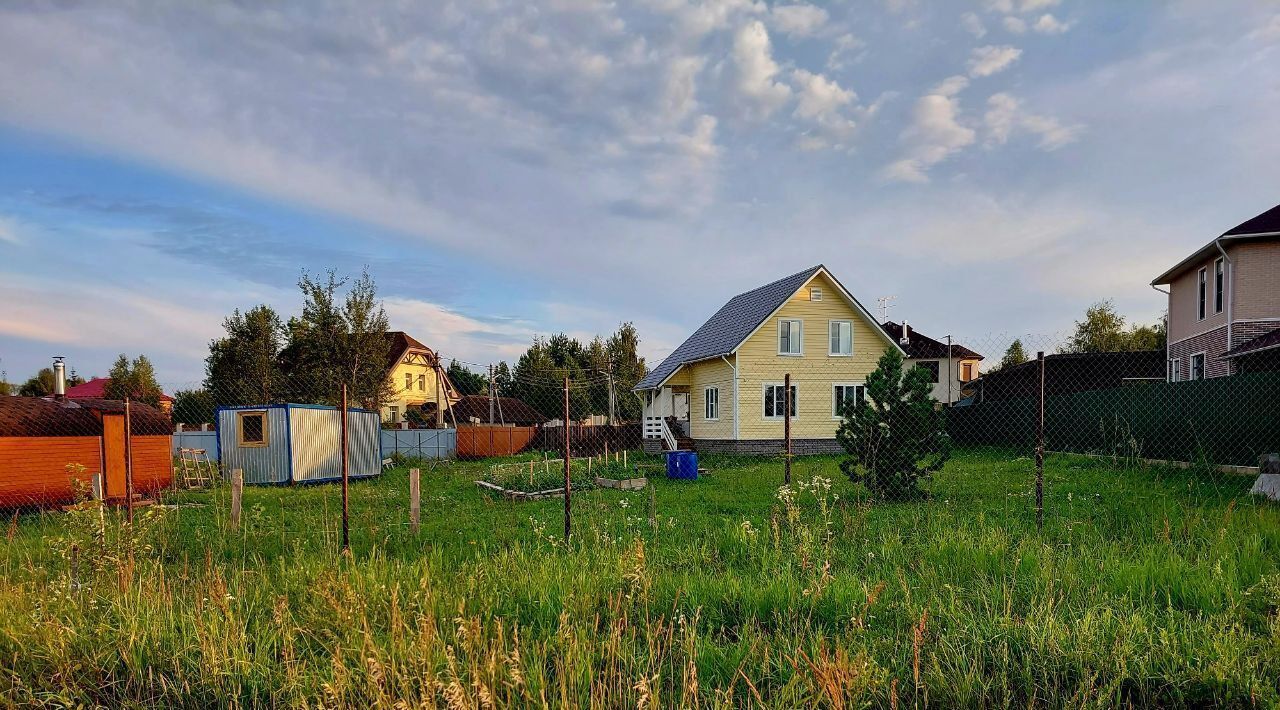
(97,389)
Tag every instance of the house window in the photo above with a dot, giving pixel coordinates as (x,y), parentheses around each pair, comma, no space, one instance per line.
(845,397)
(1175,369)
(422,383)
(408,380)
(253,429)
(841,332)
(790,337)
(393,415)
(815,294)
(775,401)
(1217,285)
(1197,366)
(712,396)
(968,370)
(1200,292)
(932,367)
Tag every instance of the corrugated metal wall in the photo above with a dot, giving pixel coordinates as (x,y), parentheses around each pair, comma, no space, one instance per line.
(420,443)
(266,464)
(317,445)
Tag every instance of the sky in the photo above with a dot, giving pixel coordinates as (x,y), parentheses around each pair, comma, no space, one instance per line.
(508,169)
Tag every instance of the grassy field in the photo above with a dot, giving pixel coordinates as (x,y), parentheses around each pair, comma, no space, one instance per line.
(1147,586)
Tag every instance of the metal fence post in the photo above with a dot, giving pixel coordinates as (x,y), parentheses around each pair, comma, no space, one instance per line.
(128,462)
(415,499)
(786,428)
(568,488)
(346,534)
(1040,446)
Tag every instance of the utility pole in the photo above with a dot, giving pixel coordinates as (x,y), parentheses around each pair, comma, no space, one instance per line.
(612,398)
(949,376)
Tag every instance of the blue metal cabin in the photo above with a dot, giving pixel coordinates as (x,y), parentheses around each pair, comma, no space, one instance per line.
(297,443)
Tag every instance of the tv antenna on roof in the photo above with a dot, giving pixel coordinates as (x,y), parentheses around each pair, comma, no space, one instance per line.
(885,302)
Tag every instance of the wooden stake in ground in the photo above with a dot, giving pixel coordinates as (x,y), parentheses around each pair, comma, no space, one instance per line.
(1040,447)
(415,499)
(346,535)
(786,428)
(237,494)
(128,462)
(567,484)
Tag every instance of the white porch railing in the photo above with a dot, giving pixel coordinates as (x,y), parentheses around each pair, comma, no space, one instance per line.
(657,428)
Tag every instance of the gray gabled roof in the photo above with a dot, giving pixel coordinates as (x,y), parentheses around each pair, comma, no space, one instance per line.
(724,331)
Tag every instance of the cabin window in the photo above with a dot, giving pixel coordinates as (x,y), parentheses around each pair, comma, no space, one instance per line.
(815,294)
(422,383)
(932,367)
(712,397)
(841,336)
(790,337)
(1197,366)
(1201,285)
(845,397)
(775,401)
(408,380)
(1217,285)
(253,429)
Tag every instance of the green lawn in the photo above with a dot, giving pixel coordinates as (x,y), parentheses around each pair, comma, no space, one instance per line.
(1147,586)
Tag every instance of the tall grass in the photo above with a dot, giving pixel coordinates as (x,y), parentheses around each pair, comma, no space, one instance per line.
(1147,587)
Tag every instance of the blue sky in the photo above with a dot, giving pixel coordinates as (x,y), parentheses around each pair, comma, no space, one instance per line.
(506,169)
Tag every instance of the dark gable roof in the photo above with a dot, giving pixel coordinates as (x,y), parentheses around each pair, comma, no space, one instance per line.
(730,325)
(397,342)
(508,410)
(1266,223)
(32,416)
(1265,226)
(1266,341)
(921,347)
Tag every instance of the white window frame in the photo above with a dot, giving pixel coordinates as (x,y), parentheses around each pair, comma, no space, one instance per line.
(815,294)
(1175,369)
(1202,293)
(707,407)
(1219,284)
(764,397)
(830,324)
(393,413)
(835,414)
(1204,366)
(791,337)
(408,381)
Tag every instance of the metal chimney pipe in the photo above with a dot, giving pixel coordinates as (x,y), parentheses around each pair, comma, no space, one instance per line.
(906,333)
(59,377)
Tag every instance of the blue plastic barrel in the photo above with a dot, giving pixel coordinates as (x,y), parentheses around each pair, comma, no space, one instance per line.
(682,465)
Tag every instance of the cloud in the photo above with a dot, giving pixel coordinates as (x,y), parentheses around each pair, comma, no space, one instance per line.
(798,20)
(455,335)
(973,25)
(845,44)
(934,135)
(1014,25)
(1005,116)
(697,19)
(1050,25)
(992,59)
(756,71)
(821,100)
(1268,32)
(9,231)
(1036,5)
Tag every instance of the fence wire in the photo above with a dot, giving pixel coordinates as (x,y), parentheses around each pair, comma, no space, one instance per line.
(1130,427)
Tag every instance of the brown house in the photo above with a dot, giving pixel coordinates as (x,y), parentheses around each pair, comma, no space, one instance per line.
(1224,302)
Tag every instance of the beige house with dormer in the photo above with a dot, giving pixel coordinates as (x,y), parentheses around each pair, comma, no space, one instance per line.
(417,378)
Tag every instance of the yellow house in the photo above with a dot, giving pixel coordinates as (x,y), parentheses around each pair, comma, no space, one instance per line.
(724,385)
(416,378)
